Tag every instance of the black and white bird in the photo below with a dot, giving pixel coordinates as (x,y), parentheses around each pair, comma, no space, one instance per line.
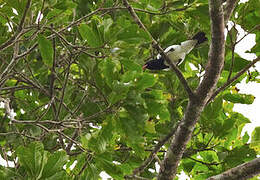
(176,53)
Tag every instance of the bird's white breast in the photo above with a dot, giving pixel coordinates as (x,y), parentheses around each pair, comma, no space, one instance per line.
(177,53)
(180,51)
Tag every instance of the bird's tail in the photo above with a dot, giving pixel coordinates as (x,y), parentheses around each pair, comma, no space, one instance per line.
(200,37)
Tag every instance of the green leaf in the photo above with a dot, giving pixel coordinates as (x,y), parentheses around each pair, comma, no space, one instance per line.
(255,142)
(239,63)
(159,28)
(145,81)
(105,161)
(17,5)
(132,34)
(227,127)
(209,156)
(46,50)
(80,163)
(240,118)
(245,138)
(32,158)
(107,23)
(64,5)
(157,108)
(150,126)
(90,173)
(119,92)
(131,65)
(188,165)
(87,63)
(239,155)
(54,164)
(107,130)
(90,35)
(109,71)
(239,98)
(8,173)
(215,107)
(90,108)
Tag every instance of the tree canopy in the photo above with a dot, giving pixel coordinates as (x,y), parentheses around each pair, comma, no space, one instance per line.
(75,101)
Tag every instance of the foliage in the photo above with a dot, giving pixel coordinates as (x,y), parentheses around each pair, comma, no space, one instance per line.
(83,104)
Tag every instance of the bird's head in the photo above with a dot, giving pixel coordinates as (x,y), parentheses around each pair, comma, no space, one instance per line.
(156,64)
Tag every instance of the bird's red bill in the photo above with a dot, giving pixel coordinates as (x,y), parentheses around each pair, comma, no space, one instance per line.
(144,66)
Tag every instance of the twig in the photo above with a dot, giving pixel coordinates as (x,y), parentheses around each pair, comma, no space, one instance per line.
(206,163)
(233,53)
(20,134)
(135,177)
(158,160)
(10,66)
(15,88)
(19,29)
(53,78)
(40,13)
(27,6)
(248,32)
(230,81)
(74,136)
(59,132)
(154,152)
(5,156)
(230,6)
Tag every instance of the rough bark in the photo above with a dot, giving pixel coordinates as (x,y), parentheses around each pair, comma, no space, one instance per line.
(243,171)
(203,93)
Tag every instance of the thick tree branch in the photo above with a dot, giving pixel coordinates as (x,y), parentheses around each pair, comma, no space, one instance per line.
(229,7)
(158,47)
(203,93)
(243,171)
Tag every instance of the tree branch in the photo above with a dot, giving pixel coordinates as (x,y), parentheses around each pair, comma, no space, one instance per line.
(203,93)
(243,171)
(156,149)
(19,29)
(230,81)
(158,47)
(229,7)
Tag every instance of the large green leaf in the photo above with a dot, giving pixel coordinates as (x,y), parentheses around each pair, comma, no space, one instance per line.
(91,172)
(90,34)
(145,81)
(105,161)
(239,98)
(239,63)
(8,173)
(32,158)
(46,50)
(255,142)
(109,71)
(131,65)
(54,164)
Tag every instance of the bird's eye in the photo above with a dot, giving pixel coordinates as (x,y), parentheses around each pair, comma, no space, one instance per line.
(172,49)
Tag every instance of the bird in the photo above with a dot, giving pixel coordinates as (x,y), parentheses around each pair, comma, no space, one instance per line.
(176,53)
